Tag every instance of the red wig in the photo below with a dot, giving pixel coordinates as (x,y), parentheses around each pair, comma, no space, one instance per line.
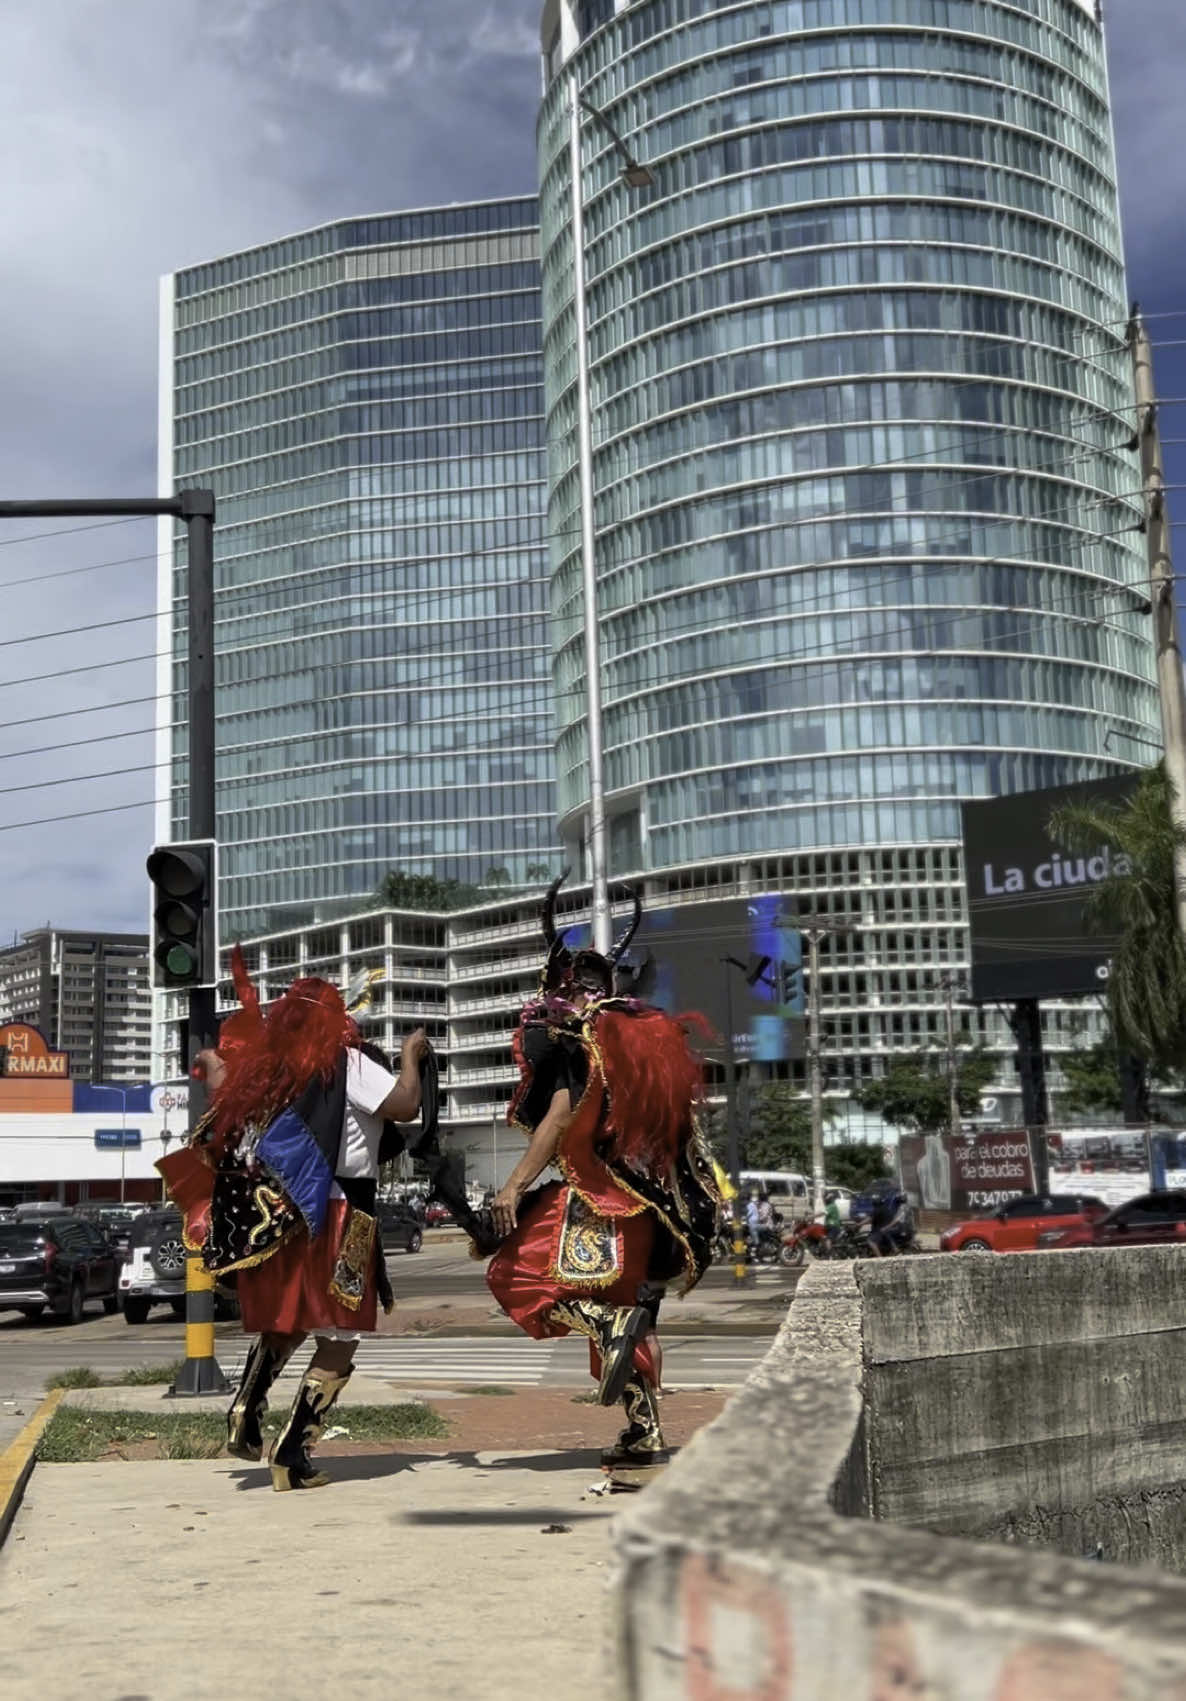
(270,1063)
(654,1079)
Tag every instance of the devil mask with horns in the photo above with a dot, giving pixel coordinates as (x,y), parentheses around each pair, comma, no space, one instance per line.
(586,973)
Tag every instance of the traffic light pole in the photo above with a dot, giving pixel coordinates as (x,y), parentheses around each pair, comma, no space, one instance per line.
(200,1373)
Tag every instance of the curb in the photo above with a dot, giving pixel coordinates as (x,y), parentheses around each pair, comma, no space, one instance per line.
(18,1459)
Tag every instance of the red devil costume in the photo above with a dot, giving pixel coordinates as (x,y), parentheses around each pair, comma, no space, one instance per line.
(278,1186)
(637,1201)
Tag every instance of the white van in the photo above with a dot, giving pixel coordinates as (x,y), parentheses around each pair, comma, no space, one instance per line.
(788,1192)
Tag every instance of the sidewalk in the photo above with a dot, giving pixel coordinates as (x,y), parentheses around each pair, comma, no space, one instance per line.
(471,1566)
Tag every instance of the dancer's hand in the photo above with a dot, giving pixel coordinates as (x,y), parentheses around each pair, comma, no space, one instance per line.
(209,1067)
(503,1208)
(414,1048)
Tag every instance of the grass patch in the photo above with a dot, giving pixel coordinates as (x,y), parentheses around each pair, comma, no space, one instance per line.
(488,1388)
(149,1375)
(75,1435)
(78,1376)
(409,1421)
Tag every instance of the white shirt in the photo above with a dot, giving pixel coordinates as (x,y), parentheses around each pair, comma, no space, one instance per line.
(367,1085)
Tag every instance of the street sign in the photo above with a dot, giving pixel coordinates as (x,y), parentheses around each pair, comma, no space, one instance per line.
(115,1139)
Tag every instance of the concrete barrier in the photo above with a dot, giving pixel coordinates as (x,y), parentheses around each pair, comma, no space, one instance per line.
(763,1566)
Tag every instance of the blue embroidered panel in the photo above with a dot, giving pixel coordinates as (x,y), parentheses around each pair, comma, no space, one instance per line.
(291,1153)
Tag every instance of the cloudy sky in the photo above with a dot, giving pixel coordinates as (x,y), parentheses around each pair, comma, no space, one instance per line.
(138,136)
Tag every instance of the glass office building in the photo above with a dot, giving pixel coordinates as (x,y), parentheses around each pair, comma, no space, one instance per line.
(864,504)
(365,400)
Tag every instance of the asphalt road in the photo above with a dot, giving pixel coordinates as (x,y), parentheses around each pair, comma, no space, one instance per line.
(443,1273)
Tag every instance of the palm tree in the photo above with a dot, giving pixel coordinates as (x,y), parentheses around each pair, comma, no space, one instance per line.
(1134,905)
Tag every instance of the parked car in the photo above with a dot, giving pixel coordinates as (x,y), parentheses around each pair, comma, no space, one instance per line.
(399,1227)
(115,1221)
(436,1214)
(1022,1225)
(57,1262)
(1152,1219)
(154,1269)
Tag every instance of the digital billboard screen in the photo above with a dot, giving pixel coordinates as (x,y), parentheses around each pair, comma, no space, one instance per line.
(1027,896)
(742,955)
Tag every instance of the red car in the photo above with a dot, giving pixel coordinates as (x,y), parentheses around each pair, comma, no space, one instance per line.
(1022,1225)
(437,1214)
(1152,1219)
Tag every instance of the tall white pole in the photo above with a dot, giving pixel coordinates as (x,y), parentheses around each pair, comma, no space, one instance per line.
(1161,594)
(597,835)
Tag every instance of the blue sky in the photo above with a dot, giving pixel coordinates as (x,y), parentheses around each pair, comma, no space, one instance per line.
(141,136)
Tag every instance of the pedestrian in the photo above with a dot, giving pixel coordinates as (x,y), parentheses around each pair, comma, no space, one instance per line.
(752,1223)
(279,1186)
(609,1092)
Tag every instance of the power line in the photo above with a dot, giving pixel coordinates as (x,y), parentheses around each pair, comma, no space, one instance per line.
(86,709)
(76,631)
(77,743)
(70,531)
(77,815)
(91,567)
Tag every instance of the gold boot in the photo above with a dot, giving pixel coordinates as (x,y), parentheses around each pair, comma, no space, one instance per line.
(615,1331)
(641,1442)
(244,1421)
(289,1460)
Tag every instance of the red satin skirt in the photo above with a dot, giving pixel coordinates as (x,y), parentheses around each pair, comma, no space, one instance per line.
(561,1249)
(290,1292)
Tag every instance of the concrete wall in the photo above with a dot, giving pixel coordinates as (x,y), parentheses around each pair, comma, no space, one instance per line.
(1034,1398)
(752,1570)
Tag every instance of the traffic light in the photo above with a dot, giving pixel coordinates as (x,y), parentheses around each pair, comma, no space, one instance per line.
(184,914)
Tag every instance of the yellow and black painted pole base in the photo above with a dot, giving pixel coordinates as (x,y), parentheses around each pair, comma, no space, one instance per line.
(741,1273)
(200,1374)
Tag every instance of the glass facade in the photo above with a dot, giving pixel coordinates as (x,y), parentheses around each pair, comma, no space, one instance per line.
(865,510)
(366,401)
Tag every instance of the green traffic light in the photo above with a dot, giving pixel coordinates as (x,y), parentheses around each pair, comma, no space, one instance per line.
(180,960)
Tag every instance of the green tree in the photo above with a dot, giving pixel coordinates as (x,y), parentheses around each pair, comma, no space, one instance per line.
(854,1163)
(538,871)
(912,1094)
(1092,1076)
(401,891)
(1133,906)
(496,875)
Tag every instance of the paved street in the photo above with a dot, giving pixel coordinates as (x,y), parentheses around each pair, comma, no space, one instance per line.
(442,1282)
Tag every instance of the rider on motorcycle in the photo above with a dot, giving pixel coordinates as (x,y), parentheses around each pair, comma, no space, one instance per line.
(891,1227)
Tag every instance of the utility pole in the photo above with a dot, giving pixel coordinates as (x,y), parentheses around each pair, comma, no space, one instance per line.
(635,176)
(813,929)
(1161,593)
(947,982)
(740,1272)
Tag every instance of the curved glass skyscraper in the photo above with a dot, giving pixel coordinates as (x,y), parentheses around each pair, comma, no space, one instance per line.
(865,510)
(365,400)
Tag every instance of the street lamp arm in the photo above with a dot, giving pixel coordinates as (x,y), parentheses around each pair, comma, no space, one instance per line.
(636,174)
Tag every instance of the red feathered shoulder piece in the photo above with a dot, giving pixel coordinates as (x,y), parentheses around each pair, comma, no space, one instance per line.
(654,1079)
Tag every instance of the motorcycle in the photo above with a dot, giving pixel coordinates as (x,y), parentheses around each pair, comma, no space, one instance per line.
(802,1238)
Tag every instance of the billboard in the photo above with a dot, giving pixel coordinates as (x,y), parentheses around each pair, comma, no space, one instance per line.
(975,1172)
(742,958)
(1026,897)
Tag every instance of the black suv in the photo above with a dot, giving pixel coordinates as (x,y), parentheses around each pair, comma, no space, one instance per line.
(399,1227)
(59,1263)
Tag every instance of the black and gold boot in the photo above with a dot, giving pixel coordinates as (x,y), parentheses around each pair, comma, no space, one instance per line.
(615,1331)
(641,1443)
(244,1421)
(289,1460)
